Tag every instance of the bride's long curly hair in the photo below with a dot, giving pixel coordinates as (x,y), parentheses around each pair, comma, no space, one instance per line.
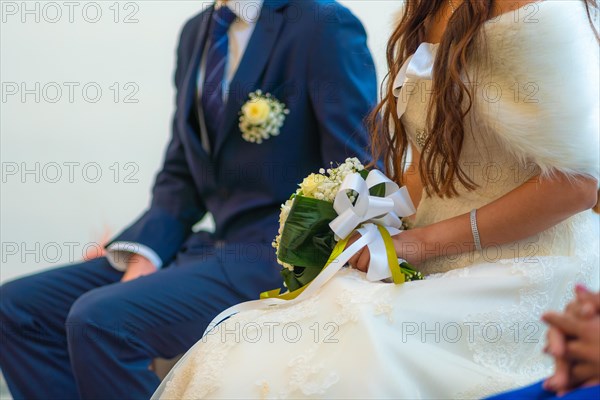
(439,167)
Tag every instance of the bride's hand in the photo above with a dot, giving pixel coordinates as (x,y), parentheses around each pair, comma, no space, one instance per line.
(406,243)
(362,258)
(409,246)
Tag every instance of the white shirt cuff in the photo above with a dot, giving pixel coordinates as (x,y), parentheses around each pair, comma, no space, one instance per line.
(119,253)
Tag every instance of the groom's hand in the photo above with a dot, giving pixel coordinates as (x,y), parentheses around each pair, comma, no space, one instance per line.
(138,266)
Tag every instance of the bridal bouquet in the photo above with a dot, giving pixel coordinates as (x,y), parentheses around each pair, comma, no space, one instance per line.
(328,207)
(316,224)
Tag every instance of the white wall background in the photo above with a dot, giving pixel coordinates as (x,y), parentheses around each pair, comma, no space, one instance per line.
(76,163)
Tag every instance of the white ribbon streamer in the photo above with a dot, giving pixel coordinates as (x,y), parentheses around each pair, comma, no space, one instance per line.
(379,268)
(325,275)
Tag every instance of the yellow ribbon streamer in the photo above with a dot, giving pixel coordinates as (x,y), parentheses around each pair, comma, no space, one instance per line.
(392,257)
(337,250)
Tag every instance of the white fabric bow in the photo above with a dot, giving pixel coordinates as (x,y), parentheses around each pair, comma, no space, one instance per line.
(417,67)
(384,211)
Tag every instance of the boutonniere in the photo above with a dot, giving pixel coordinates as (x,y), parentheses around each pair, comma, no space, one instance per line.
(261,117)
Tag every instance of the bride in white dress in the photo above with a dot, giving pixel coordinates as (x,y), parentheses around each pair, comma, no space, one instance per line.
(525,156)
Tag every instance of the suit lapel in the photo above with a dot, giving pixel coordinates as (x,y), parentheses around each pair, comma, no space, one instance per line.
(252,65)
(190,86)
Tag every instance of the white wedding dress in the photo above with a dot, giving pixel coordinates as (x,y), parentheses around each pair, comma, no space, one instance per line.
(471,328)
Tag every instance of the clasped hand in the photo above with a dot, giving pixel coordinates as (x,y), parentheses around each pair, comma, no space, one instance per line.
(574,342)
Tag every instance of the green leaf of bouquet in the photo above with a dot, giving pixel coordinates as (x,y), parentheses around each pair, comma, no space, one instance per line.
(291,283)
(378,190)
(305,275)
(307,240)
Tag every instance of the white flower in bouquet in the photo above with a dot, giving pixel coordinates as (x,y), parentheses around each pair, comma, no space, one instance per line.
(285,211)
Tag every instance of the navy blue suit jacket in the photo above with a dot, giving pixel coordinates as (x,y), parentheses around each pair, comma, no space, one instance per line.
(310,54)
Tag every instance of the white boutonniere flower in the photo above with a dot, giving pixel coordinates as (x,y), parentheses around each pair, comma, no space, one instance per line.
(261,117)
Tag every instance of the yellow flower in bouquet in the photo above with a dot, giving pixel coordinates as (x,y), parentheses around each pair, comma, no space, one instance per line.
(311,184)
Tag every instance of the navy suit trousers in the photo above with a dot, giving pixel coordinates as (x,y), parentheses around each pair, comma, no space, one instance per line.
(66,329)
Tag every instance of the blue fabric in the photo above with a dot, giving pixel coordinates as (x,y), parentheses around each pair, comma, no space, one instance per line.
(313,58)
(319,65)
(216,63)
(76,332)
(537,392)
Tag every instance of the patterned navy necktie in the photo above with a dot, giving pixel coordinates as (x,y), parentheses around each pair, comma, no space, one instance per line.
(216,62)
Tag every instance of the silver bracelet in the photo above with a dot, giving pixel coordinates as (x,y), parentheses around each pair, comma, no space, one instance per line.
(474,229)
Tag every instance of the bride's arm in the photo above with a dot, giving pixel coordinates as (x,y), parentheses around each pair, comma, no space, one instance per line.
(558,131)
(531,208)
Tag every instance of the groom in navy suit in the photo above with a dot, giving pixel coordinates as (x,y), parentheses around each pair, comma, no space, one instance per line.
(91,330)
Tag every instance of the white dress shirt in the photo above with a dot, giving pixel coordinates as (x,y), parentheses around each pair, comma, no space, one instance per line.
(239,33)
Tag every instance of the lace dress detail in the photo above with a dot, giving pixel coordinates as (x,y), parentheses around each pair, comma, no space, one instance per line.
(471,328)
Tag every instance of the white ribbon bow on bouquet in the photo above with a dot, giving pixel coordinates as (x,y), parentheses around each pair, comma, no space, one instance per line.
(370,211)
